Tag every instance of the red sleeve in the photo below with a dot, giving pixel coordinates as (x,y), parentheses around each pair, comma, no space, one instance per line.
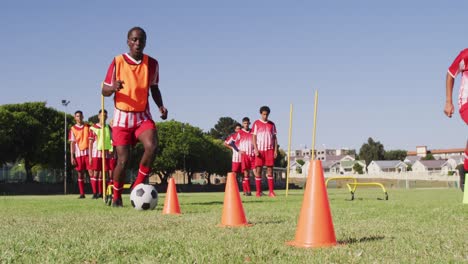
(71,137)
(458,63)
(254,128)
(110,76)
(273,128)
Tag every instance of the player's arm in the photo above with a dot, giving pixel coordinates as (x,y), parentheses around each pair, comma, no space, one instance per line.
(275,140)
(110,84)
(157,97)
(448,109)
(72,152)
(254,141)
(90,150)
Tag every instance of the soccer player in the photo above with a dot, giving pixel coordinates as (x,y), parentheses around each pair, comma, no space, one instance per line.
(230,143)
(266,149)
(78,137)
(246,150)
(95,149)
(130,78)
(459,65)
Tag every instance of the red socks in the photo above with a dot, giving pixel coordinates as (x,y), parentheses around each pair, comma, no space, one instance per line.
(118,188)
(142,174)
(246,184)
(93,184)
(81,185)
(258,184)
(99,184)
(270,183)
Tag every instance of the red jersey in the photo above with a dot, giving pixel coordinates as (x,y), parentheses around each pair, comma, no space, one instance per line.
(132,119)
(265,132)
(460,65)
(236,157)
(244,140)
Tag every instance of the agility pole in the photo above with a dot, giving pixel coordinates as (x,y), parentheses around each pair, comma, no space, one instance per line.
(289,149)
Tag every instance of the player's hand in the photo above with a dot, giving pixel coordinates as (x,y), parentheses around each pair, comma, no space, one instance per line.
(257,153)
(117,85)
(276,153)
(163,112)
(90,161)
(448,109)
(73,161)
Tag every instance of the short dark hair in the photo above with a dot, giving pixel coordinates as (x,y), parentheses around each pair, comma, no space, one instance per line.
(105,111)
(136,28)
(245,119)
(78,112)
(237,125)
(265,108)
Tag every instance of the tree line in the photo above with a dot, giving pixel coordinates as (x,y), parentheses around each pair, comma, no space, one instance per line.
(34,134)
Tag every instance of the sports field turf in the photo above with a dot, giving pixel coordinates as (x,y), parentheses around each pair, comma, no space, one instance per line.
(414,226)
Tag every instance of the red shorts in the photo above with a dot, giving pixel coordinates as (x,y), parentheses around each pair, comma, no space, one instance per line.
(248,162)
(82,163)
(97,164)
(236,167)
(128,136)
(464,112)
(265,158)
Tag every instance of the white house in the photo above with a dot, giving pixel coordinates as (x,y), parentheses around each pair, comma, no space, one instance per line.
(433,166)
(347,166)
(382,166)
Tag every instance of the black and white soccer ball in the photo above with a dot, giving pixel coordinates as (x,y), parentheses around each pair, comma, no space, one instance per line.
(144,197)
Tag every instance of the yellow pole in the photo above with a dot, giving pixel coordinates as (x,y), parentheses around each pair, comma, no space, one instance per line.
(315,125)
(289,149)
(103,136)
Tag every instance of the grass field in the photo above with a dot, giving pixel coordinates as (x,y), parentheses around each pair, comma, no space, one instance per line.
(415,226)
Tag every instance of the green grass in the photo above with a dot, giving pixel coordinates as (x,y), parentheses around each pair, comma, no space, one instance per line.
(415,226)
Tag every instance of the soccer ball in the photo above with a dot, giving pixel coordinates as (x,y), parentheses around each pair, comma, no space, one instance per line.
(144,197)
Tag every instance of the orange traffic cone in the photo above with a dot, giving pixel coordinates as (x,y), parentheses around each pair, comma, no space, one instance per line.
(233,211)
(315,226)
(171,203)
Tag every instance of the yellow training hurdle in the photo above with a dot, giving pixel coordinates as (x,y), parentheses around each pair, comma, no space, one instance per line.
(355,184)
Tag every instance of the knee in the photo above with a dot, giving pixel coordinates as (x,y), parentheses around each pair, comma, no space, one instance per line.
(151,147)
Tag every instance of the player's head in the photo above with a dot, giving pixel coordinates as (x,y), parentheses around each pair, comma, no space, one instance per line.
(237,127)
(136,41)
(78,116)
(264,112)
(101,115)
(245,123)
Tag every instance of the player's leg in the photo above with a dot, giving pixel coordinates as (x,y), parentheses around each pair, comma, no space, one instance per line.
(81,176)
(271,184)
(462,171)
(123,153)
(270,162)
(149,138)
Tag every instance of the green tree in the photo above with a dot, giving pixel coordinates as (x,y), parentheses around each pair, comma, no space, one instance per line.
(223,128)
(429,156)
(280,160)
(395,155)
(33,133)
(358,168)
(217,158)
(372,150)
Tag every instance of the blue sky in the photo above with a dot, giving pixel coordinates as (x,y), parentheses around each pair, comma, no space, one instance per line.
(379,66)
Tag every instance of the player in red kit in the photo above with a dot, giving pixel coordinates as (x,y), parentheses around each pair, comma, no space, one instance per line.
(78,137)
(230,143)
(247,152)
(266,149)
(130,78)
(459,65)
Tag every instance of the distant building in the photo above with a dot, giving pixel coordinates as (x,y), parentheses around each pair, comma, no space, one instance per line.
(382,166)
(422,151)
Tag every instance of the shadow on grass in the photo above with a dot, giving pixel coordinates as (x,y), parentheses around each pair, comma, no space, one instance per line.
(360,240)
